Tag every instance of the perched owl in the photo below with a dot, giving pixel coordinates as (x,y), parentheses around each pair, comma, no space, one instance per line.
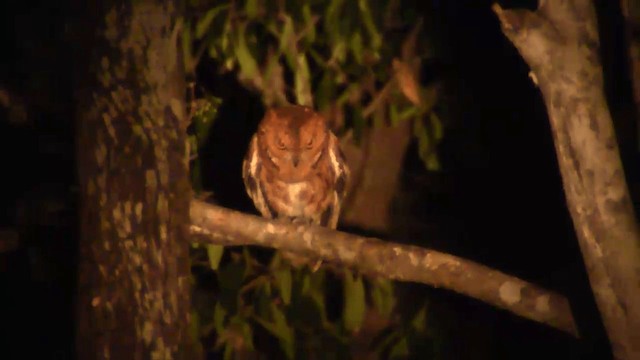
(294,168)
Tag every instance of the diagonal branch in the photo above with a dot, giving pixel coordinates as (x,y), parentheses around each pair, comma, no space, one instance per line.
(214,224)
(559,41)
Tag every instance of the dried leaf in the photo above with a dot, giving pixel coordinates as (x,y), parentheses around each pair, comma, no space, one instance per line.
(407,81)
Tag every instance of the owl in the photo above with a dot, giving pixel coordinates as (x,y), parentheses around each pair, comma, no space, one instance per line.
(294,168)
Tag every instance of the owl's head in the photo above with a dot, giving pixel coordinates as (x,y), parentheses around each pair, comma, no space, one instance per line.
(293,138)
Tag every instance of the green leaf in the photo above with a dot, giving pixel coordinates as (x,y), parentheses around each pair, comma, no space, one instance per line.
(325,93)
(432,161)
(357,47)
(206,111)
(387,340)
(194,325)
(419,320)
(394,117)
(303,81)
(251,8)
(354,301)
(215,253)
(276,261)
(262,300)
(381,292)
(313,289)
(436,125)
(248,65)
(367,18)
(228,351)
(346,94)
(332,19)
(225,38)
(423,138)
(408,113)
(339,52)
(231,275)
(310,34)
(287,42)
(284,281)
(400,349)
(193,144)
(279,328)
(205,22)
(213,51)
(240,324)
(230,278)
(219,314)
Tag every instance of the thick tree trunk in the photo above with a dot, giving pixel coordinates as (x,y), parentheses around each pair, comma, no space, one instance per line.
(133,167)
(560,43)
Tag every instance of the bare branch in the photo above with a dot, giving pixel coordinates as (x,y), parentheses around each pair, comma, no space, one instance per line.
(374,257)
(560,43)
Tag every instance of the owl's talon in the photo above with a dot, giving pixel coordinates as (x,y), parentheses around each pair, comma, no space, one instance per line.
(316,266)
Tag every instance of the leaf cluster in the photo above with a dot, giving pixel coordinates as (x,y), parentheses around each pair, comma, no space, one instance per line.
(357,62)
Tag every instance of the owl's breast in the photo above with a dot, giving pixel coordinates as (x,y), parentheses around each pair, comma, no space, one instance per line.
(304,199)
(299,195)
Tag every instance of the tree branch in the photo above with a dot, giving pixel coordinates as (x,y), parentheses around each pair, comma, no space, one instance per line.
(214,224)
(560,43)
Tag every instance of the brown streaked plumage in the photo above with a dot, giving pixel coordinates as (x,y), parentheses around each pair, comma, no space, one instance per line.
(294,167)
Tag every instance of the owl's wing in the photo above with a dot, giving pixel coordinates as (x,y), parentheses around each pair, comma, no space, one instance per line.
(342,175)
(251,167)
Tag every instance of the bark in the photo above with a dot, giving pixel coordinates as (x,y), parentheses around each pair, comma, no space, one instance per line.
(631,13)
(560,43)
(376,167)
(213,224)
(133,300)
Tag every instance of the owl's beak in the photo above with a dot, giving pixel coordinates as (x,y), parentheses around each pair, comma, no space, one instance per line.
(295,159)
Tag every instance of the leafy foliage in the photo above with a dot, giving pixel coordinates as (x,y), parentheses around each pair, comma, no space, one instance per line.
(358,63)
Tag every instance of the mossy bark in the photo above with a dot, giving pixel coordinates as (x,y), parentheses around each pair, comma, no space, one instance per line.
(133,300)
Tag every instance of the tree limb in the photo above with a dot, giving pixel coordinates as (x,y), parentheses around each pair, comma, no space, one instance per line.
(214,224)
(560,43)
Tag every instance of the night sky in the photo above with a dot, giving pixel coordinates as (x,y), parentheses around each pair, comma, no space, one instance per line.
(501,201)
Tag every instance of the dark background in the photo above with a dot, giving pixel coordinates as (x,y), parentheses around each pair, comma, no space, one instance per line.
(498,199)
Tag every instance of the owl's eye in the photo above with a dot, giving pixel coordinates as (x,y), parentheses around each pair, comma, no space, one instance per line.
(310,143)
(280,144)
